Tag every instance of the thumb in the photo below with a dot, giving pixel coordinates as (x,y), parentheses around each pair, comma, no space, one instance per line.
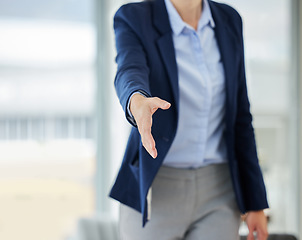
(251,235)
(251,228)
(159,103)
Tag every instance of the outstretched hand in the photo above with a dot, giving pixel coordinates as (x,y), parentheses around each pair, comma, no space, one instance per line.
(142,109)
(256,222)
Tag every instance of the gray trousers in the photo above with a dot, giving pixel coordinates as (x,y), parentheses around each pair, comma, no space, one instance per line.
(187,204)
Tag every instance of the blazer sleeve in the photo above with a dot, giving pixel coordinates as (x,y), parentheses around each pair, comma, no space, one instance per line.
(245,146)
(132,68)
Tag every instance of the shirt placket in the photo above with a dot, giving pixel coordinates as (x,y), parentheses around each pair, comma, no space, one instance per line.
(206,95)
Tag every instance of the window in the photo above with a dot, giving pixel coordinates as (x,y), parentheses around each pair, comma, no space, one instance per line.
(47,131)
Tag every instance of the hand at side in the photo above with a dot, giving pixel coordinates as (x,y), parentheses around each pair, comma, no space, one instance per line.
(256,222)
(142,109)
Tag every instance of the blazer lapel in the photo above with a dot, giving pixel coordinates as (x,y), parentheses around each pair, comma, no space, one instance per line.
(225,39)
(229,52)
(166,46)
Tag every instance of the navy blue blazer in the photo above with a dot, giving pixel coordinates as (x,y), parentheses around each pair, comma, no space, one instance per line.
(146,62)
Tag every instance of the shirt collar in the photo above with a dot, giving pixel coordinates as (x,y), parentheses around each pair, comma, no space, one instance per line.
(177,24)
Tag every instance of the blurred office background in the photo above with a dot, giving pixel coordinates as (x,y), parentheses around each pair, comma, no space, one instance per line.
(62,131)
